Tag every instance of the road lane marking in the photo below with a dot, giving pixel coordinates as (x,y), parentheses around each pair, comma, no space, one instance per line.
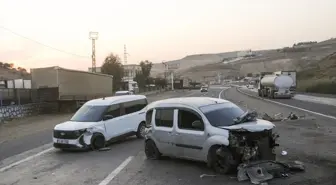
(286,105)
(115,172)
(25,159)
(220,93)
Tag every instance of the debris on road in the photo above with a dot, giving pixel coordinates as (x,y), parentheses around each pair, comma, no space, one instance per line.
(259,172)
(104,149)
(206,175)
(279,117)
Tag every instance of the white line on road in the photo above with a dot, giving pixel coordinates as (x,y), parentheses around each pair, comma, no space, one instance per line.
(115,172)
(25,159)
(283,104)
(220,93)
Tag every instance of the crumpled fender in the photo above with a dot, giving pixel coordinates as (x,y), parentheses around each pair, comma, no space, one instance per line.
(214,140)
(90,131)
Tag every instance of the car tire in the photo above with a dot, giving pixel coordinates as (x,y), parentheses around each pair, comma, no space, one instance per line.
(97,141)
(151,151)
(141,130)
(222,164)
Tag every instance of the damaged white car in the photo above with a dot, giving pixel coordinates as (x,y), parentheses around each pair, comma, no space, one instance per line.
(212,130)
(102,120)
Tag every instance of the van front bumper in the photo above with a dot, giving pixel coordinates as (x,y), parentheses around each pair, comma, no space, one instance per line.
(70,144)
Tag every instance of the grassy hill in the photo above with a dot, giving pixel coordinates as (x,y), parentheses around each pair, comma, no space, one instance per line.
(319,77)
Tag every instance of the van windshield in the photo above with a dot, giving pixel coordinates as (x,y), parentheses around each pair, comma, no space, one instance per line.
(222,114)
(89,113)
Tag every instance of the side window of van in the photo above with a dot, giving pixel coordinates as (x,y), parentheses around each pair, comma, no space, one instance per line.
(164,117)
(113,110)
(134,106)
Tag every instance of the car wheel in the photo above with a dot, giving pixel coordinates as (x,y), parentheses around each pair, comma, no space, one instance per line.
(141,132)
(97,141)
(221,160)
(151,151)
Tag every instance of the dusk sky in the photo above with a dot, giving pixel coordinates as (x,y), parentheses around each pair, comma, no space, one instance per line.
(154,30)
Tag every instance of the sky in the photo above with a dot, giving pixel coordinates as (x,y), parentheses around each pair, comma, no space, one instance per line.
(41,33)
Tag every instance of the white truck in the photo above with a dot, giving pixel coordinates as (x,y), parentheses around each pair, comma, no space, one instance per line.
(273,85)
(292,74)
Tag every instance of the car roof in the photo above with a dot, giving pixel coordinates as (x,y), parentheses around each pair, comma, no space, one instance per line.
(115,99)
(195,102)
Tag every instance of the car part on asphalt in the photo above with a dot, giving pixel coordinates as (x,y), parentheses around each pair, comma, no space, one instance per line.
(264,170)
(206,175)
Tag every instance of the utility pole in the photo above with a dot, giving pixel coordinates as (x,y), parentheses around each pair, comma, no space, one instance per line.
(125,55)
(165,69)
(93,36)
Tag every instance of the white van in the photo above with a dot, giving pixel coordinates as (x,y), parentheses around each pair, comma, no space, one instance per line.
(102,120)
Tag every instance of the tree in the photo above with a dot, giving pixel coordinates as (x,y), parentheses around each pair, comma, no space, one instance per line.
(146,68)
(112,66)
(140,79)
(143,78)
(6,65)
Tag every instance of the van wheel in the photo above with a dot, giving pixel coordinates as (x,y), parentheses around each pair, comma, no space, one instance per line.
(97,141)
(221,160)
(151,151)
(141,132)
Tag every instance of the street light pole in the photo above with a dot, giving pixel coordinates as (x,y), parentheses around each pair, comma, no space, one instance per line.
(93,36)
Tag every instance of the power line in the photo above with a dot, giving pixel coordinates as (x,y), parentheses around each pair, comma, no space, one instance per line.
(50,47)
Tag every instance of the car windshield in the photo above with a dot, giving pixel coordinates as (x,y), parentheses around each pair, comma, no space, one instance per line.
(222,114)
(89,113)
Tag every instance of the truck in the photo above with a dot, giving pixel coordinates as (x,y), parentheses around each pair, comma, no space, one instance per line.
(292,74)
(273,85)
(70,88)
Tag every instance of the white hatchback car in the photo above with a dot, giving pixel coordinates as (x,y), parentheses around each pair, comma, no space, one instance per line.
(102,120)
(212,130)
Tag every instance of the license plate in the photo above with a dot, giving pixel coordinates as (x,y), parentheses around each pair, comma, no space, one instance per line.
(62,141)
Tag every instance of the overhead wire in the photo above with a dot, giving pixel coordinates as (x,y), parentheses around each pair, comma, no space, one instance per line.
(40,43)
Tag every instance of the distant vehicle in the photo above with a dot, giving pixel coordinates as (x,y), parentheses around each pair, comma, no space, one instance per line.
(204,89)
(275,86)
(120,93)
(292,74)
(101,120)
(211,130)
(64,85)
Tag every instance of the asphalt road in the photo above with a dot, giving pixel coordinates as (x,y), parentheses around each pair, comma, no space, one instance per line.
(309,141)
(321,108)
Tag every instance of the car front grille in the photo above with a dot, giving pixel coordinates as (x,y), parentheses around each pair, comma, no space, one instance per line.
(62,134)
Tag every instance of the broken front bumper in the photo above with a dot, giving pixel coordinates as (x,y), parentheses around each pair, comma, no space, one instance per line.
(250,146)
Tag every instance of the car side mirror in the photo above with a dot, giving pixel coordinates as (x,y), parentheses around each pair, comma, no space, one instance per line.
(107,117)
(197,124)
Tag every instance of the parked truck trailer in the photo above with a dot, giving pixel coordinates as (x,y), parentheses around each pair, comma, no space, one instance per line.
(71,88)
(275,86)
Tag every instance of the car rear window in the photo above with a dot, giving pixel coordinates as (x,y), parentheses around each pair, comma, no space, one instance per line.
(222,114)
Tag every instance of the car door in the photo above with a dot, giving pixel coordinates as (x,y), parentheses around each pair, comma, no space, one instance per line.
(133,114)
(114,125)
(190,137)
(163,123)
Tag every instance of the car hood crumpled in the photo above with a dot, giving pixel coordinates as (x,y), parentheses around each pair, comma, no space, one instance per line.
(253,126)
